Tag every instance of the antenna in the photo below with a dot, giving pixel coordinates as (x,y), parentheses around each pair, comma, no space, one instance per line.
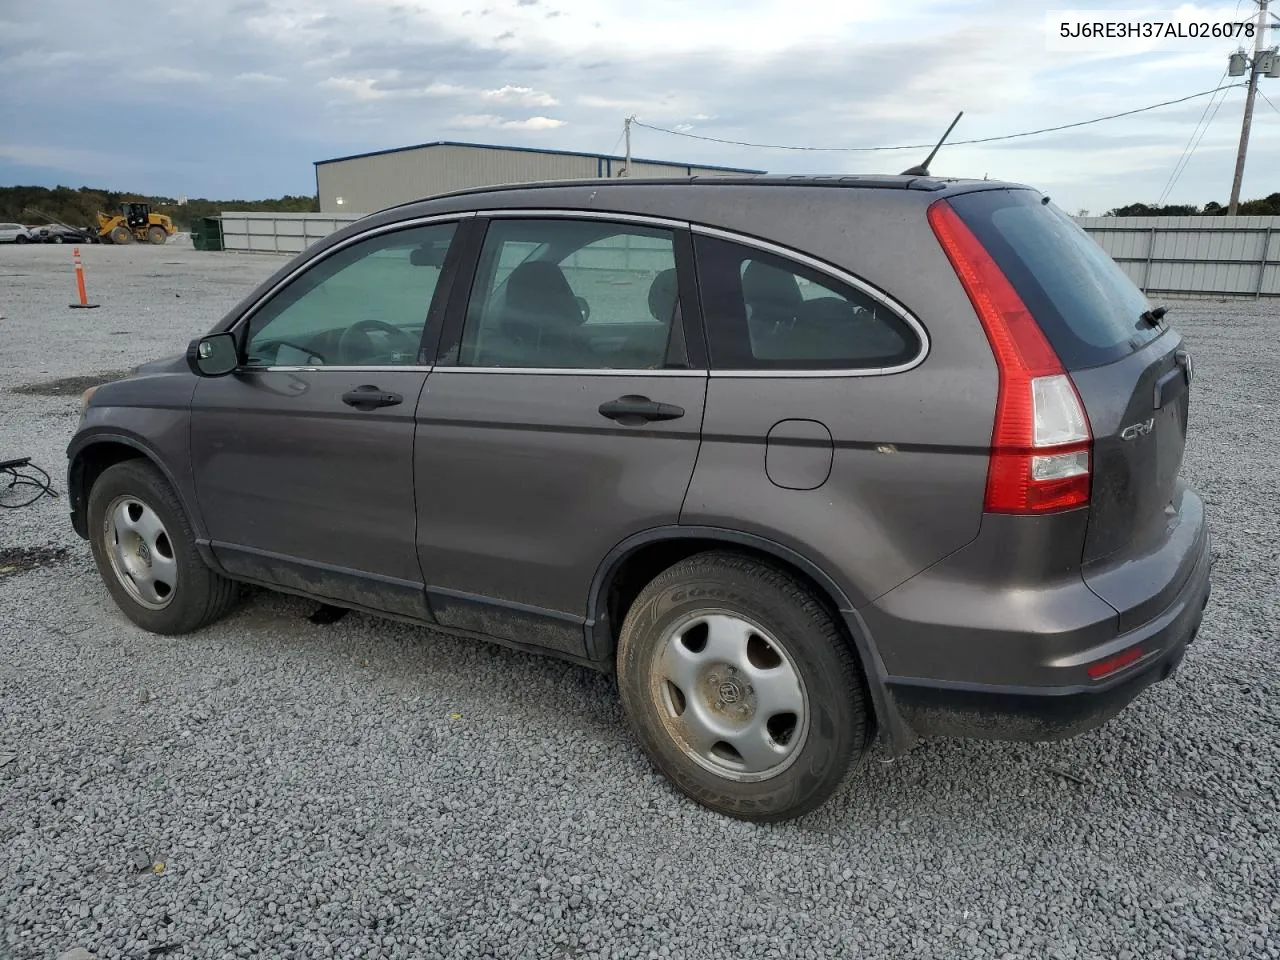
(923,169)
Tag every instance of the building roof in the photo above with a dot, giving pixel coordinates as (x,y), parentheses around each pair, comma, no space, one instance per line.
(561,153)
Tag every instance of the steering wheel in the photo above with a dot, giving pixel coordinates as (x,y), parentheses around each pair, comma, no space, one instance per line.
(356,346)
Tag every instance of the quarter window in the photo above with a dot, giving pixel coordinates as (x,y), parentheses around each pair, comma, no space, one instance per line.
(768,313)
(572,294)
(365,305)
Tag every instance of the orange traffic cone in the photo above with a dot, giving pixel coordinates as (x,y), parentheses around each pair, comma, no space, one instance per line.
(84,303)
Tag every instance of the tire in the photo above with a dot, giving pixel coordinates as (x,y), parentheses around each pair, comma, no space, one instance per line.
(20,239)
(156,235)
(121,235)
(764,637)
(156,577)
(59,239)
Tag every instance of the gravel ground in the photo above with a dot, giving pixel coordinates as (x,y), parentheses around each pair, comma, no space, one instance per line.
(274,787)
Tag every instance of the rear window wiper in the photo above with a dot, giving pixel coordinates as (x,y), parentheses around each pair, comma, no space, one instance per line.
(1152,317)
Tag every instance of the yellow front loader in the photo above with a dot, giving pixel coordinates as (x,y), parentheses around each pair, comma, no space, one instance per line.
(135,222)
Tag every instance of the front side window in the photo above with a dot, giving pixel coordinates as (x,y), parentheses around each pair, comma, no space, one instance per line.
(365,305)
(764,312)
(572,294)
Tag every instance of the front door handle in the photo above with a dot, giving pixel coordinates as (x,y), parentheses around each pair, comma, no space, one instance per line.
(633,410)
(368,397)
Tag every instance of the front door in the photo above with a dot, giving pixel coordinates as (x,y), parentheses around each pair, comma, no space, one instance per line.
(569,421)
(303,457)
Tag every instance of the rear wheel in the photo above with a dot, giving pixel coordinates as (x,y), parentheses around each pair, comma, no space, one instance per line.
(121,235)
(741,687)
(20,239)
(156,234)
(145,552)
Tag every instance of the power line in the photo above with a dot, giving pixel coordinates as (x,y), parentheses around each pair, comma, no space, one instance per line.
(923,146)
(1269,103)
(1193,143)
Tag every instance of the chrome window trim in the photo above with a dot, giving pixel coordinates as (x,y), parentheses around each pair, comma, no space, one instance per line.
(576,371)
(848,279)
(541,371)
(785,253)
(634,219)
(340,368)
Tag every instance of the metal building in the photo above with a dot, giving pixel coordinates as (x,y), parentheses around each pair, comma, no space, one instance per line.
(368,182)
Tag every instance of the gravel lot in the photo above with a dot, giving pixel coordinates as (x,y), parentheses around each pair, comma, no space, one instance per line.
(273,787)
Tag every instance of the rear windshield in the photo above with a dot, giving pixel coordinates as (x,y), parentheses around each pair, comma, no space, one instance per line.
(1081,298)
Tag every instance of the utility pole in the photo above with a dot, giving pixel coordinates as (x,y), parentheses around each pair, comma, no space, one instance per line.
(1255,68)
(626,130)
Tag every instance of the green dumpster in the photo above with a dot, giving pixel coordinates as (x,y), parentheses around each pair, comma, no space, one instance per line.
(206,233)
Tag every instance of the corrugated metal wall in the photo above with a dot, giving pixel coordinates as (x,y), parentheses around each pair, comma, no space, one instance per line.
(1170,256)
(1194,256)
(372,183)
(277,232)
(369,184)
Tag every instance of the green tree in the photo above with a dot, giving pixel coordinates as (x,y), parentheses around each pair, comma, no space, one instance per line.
(80,206)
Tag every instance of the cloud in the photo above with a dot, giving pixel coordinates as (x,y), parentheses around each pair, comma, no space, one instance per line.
(479,121)
(58,158)
(259,78)
(309,82)
(174,75)
(362,89)
(523,96)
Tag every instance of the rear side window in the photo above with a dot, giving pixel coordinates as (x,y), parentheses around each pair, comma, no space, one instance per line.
(764,312)
(572,294)
(1085,304)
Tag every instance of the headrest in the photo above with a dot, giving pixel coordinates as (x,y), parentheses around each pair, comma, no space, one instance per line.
(662,296)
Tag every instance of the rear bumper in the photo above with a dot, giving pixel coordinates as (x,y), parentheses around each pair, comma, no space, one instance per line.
(1043,689)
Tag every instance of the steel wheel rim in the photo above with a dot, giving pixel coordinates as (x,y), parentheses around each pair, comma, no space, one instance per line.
(730,696)
(140,552)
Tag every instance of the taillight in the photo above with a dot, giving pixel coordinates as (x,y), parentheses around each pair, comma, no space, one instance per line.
(1041,442)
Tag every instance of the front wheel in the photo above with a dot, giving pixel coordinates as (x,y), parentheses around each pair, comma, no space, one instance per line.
(741,687)
(156,235)
(145,552)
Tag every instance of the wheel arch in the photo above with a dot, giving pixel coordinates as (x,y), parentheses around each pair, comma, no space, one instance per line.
(635,561)
(89,458)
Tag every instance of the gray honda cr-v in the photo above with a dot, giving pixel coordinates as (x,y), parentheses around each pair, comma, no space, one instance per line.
(805,460)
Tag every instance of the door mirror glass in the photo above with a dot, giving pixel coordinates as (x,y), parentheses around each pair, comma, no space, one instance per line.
(214,355)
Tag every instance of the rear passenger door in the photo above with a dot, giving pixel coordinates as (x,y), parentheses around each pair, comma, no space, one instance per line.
(563,415)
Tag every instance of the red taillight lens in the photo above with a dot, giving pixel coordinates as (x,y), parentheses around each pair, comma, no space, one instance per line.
(1041,441)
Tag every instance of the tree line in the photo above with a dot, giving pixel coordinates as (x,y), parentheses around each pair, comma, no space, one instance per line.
(1266,207)
(79,206)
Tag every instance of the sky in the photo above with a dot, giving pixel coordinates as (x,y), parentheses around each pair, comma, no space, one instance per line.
(236,99)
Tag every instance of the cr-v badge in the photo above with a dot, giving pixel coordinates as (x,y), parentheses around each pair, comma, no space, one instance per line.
(1140,429)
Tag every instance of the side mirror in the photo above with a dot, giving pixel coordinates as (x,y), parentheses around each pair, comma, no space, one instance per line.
(214,355)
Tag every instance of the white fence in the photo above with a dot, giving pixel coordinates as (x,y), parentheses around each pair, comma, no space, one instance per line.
(1171,256)
(278,232)
(1194,256)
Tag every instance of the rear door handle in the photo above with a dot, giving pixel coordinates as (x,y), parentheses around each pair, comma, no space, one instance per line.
(632,410)
(368,397)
